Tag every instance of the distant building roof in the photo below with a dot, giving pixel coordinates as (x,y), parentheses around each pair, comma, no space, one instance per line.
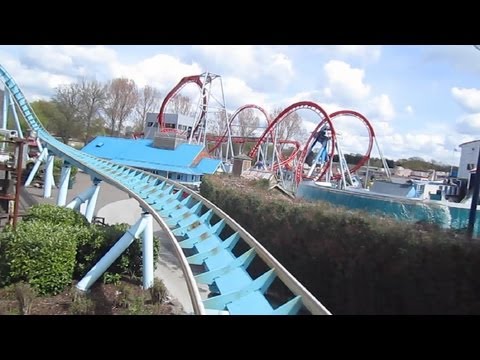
(468,142)
(141,153)
(208,166)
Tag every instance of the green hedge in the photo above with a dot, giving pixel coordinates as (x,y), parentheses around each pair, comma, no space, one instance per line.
(55,215)
(54,245)
(42,254)
(355,263)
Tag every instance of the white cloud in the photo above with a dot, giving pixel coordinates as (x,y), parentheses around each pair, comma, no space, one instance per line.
(382,128)
(250,62)
(301,96)
(469,124)
(344,82)
(238,93)
(45,56)
(309,126)
(409,109)
(425,145)
(370,52)
(280,68)
(366,53)
(469,99)
(36,84)
(381,107)
(162,71)
(464,57)
(93,54)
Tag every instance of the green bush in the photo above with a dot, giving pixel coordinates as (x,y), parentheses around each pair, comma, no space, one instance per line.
(355,263)
(55,215)
(158,292)
(42,254)
(39,252)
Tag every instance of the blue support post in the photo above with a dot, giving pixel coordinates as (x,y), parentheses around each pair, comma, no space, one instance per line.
(3,125)
(43,155)
(92,202)
(64,180)
(15,116)
(48,177)
(147,251)
(120,246)
(81,198)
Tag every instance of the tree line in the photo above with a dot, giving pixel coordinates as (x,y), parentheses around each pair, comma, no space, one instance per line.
(87,108)
(412,163)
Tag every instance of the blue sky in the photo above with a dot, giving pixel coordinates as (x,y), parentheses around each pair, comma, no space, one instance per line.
(422,100)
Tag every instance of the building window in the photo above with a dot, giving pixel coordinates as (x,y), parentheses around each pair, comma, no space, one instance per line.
(470,166)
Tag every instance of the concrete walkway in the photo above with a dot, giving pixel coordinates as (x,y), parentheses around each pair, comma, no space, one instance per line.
(116,207)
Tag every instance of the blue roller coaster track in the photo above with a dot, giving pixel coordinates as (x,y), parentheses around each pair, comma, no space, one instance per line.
(207,242)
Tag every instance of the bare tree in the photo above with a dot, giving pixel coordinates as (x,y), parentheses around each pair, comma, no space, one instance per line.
(148,101)
(181,104)
(291,127)
(217,124)
(92,98)
(68,101)
(248,123)
(122,96)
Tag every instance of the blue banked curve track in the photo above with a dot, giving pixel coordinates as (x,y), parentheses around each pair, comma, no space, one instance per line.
(221,255)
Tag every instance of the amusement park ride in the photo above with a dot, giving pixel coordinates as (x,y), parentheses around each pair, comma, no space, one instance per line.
(312,160)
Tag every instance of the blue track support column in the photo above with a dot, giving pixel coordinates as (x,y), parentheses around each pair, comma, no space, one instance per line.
(48,177)
(3,124)
(147,251)
(43,155)
(81,198)
(15,116)
(120,246)
(6,97)
(92,202)
(64,180)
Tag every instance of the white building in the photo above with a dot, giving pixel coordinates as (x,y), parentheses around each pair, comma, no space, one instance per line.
(174,121)
(468,158)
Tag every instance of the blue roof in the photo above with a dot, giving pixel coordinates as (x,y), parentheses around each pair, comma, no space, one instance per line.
(208,166)
(141,153)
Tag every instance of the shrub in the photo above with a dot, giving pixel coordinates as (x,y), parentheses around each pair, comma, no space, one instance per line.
(55,215)
(43,254)
(356,263)
(25,296)
(109,278)
(82,304)
(40,250)
(158,292)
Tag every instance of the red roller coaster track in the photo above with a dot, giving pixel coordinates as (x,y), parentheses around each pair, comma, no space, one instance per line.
(371,136)
(195,79)
(287,111)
